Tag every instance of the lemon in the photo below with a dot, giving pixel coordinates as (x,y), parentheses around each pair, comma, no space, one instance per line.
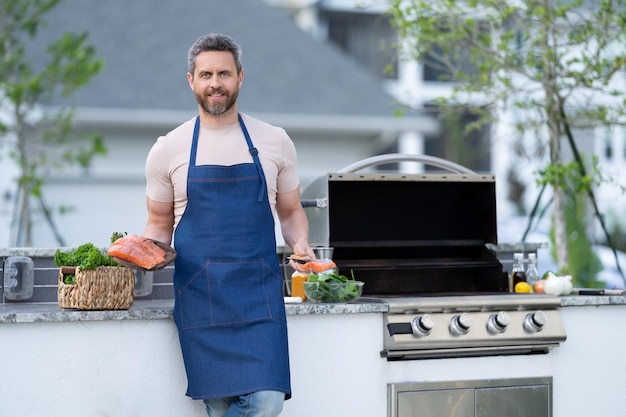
(523,287)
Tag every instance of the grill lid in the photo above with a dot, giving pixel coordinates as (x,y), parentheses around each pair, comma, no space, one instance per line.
(413,210)
(410,233)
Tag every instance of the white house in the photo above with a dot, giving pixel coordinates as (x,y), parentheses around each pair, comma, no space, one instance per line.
(363,22)
(315,68)
(336,111)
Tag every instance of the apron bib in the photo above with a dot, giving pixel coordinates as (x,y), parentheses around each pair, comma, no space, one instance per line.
(229,307)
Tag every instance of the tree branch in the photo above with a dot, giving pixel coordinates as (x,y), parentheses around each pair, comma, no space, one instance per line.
(590,193)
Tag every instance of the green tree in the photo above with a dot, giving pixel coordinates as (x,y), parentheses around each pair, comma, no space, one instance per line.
(558,65)
(37,141)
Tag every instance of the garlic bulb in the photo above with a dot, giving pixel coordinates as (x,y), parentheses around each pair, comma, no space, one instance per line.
(568,286)
(554,285)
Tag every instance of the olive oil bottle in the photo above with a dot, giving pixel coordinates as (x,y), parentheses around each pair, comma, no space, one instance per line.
(517,273)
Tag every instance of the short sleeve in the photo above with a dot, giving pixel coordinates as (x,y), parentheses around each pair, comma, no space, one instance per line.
(288,173)
(158,182)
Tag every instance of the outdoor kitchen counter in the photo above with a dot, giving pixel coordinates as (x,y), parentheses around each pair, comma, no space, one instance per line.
(159,309)
(129,363)
(162,309)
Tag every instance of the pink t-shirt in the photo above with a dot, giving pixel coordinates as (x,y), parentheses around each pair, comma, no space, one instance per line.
(168,160)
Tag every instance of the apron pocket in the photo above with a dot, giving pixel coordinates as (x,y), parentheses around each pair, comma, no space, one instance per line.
(225,292)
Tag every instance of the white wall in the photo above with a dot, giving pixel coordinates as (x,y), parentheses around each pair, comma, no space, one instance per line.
(110,196)
(134,368)
(93,369)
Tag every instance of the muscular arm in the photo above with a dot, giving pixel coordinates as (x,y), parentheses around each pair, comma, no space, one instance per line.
(160,225)
(294,223)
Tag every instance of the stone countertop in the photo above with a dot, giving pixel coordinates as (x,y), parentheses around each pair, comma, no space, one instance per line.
(160,309)
(592,300)
(29,251)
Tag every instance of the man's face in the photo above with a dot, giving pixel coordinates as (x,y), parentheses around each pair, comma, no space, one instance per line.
(215,81)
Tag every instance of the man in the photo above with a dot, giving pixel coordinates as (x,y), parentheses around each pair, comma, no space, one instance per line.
(215,182)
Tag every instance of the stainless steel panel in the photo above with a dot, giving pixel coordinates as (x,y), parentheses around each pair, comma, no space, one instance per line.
(449,403)
(403,339)
(515,397)
(478,334)
(467,352)
(492,302)
(515,401)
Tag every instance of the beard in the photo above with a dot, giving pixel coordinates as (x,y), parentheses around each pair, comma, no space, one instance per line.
(217,109)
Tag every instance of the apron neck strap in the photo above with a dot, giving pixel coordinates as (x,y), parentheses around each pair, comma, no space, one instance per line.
(253,151)
(194,142)
(255,157)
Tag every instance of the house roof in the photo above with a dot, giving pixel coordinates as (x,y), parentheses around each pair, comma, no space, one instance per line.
(144,44)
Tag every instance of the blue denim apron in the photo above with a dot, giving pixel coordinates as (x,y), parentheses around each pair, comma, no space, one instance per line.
(229,306)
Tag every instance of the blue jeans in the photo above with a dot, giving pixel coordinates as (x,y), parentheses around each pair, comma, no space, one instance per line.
(256,404)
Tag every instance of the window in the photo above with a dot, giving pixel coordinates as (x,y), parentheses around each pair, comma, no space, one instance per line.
(471,149)
(439,61)
(608,143)
(367,37)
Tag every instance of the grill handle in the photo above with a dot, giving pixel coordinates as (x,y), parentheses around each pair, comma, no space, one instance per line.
(314,202)
(400,157)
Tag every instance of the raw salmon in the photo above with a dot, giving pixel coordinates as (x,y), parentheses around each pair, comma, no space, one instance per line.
(319,265)
(138,250)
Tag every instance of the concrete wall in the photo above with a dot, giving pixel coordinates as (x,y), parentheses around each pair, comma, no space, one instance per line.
(133,367)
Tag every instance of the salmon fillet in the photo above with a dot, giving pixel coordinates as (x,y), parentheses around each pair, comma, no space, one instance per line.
(319,265)
(138,250)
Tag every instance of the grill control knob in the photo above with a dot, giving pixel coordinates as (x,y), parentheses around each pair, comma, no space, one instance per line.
(460,325)
(534,322)
(497,323)
(422,325)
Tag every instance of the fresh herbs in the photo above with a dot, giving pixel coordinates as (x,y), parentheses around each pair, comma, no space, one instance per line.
(333,288)
(86,256)
(117,235)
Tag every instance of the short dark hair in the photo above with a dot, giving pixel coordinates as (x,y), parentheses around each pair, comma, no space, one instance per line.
(213,42)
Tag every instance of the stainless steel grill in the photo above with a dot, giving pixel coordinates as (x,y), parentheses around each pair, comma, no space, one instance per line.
(420,242)
(400,233)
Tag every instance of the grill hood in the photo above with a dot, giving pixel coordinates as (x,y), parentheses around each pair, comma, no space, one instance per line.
(409,233)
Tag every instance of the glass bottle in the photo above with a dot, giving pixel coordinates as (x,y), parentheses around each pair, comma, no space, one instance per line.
(532,275)
(517,273)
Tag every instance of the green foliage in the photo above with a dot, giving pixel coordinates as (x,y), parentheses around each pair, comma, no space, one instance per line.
(86,256)
(568,177)
(39,144)
(557,66)
(117,235)
(583,264)
(521,51)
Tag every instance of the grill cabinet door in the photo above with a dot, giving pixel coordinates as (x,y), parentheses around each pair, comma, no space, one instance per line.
(521,397)
(449,402)
(528,401)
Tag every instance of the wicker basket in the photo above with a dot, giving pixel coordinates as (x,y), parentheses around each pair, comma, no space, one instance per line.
(105,288)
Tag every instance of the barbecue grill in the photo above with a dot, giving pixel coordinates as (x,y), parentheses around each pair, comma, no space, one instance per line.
(420,242)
